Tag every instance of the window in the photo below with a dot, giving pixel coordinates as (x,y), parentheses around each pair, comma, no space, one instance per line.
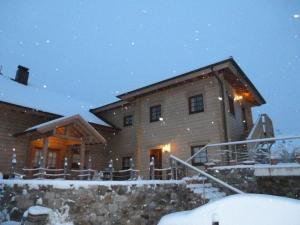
(52,159)
(244,119)
(126,163)
(155,113)
(201,158)
(37,158)
(128,121)
(231,105)
(196,104)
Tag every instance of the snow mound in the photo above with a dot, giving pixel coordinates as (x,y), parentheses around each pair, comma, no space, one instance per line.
(241,209)
(10,223)
(39,210)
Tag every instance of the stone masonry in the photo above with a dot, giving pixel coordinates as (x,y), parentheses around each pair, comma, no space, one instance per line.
(100,204)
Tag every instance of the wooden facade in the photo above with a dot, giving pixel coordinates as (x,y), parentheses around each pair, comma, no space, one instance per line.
(224,114)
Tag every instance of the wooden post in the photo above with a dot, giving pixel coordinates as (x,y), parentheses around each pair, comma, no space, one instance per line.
(82,155)
(45,152)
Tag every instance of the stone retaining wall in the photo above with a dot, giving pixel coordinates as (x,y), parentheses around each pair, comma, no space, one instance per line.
(101,204)
(244,179)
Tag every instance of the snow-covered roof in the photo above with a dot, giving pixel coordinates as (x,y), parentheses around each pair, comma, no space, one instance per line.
(41,99)
(67,120)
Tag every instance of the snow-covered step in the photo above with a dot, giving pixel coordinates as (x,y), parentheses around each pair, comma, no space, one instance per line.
(195,180)
(207,191)
(195,186)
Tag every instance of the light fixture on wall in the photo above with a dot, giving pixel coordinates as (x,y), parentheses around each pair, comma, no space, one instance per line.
(166,148)
(238,97)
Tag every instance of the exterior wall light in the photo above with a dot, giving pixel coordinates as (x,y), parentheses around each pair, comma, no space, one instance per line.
(238,98)
(166,148)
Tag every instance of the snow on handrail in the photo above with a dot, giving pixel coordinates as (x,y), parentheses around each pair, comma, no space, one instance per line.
(80,171)
(207,175)
(163,169)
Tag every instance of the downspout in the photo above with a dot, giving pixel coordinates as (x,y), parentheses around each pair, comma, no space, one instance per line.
(222,105)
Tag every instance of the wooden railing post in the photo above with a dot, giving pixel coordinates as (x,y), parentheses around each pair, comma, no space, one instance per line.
(152,167)
(65,168)
(41,167)
(110,167)
(172,168)
(131,169)
(13,165)
(89,168)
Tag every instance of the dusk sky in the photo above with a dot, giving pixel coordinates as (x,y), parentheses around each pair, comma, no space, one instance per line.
(95,50)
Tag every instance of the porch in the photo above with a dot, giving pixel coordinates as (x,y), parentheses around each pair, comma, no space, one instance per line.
(60,145)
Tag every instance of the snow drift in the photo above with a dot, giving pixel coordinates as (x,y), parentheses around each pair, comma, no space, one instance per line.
(245,209)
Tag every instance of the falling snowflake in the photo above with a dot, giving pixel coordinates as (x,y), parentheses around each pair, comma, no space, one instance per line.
(44,86)
(47,41)
(132,43)
(188,129)
(220,98)
(161,119)
(296,16)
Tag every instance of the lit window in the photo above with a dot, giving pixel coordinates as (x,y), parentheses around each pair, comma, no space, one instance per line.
(128,121)
(155,113)
(196,104)
(52,159)
(201,158)
(37,157)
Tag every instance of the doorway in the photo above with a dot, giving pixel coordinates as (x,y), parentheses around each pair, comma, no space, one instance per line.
(157,155)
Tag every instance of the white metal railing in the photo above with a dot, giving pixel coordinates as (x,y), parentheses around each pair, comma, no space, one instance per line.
(239,151)
(220,182)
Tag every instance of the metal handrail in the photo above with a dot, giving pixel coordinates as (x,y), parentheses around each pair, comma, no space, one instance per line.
(207,175)
(242,142)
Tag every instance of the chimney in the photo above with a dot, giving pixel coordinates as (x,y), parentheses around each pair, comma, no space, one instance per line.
(22,75)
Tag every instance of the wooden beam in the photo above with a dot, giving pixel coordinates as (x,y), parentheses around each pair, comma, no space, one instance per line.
(66,137)
(45,151)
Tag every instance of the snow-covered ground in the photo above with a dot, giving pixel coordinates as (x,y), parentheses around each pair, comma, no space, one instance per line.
(241,209)
(67,184)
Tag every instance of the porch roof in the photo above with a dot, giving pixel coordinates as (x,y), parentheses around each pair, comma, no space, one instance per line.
(89,134)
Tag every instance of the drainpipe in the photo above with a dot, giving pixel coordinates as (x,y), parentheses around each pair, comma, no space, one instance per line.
(223,105)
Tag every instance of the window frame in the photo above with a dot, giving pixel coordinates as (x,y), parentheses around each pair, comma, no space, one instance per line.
(190,104)
(150,112)
(125,120)
(193,151)
(123,162)
(231,105)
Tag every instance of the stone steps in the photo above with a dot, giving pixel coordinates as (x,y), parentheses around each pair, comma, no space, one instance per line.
(200,185)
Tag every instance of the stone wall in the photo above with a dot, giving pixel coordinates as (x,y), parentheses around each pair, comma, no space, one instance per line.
(244,179)
(102,204)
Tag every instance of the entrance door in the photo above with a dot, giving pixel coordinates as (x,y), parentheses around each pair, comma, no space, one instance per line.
(157,155)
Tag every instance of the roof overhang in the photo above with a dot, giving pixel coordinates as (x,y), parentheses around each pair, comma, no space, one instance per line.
(89,134)
(227,64)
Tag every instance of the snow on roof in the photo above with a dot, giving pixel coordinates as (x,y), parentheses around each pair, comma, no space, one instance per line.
(43,100)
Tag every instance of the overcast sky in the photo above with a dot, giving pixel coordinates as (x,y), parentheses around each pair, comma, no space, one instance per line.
(95,50)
